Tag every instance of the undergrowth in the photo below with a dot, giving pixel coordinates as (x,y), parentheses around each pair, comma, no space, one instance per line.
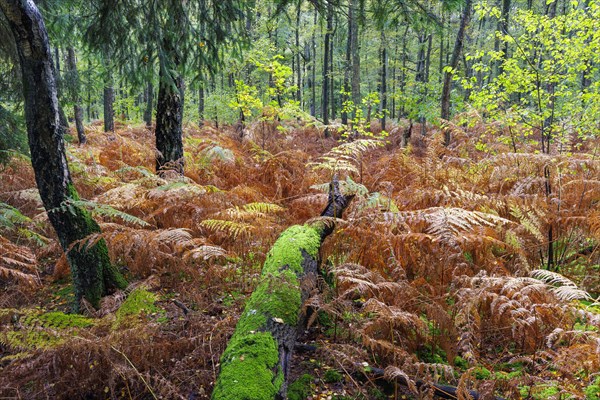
(439,272)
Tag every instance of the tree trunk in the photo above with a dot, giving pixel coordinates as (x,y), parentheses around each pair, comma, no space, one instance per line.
(201,103)
(383,82)
(458,45)
(347,65)
(354,50)
(313,91)
(92,271)
(298,69)
(109,98)
(331,74)
(326,65)
(502,28)
(169,123)
(149,104)
(74,87)
(257,361)
(64,122)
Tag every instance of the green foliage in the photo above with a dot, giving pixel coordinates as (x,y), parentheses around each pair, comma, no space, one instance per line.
(13,137)
(101,209)
(139,301)
(300,389)
(332,376)
(540,85)
(246,99)
(592,392)
(32,329)
(13,222)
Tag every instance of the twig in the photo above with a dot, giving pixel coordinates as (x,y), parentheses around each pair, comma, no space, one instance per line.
(136,371)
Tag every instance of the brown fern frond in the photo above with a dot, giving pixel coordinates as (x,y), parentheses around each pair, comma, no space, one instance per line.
(18,263)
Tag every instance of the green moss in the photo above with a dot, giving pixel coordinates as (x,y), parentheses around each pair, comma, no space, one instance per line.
(61,320)
(287,250)
(539,392)
(72,192)
(247,368)
(138,301)
(332,376)
(481,372)
(38,330)
(592,392)
(91,268)
(249,365)
(461,363)
(300,388)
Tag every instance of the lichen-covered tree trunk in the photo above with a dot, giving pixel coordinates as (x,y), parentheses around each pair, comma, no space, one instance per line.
(169,123)
(256,363)
(92,271)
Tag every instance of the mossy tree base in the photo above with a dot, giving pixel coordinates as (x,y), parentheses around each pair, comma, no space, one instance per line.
(256,363)
(92,272)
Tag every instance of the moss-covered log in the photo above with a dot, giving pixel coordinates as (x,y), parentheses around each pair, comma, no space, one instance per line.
(256,363)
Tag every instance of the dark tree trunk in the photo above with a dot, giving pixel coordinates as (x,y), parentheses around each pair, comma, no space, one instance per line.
(402,110)
(149,104)
(326,65)
(169,123)
(331,75)
(458,45)
(92,271)
(74,85)
(383,81)
(298,69)
(348,64)
(109,98)
(109,112)
(201,104)
(354,50)
(313,87)
(502,28)
(64,122)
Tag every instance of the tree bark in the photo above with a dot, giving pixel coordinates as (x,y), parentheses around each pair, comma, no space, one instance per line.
(149,104)
(354,50)
(92,271)
(326,65)
(458,45)
(256,363)
(313,84)
(383,81)
(64,122)
(298,69)
(74,85)
(502,28)
(201,95)
(109,98)
(348,64)
(169,123)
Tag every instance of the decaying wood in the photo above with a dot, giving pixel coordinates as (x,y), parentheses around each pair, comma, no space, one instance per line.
(256,363)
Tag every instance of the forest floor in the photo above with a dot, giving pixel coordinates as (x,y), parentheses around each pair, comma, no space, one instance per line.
(438,271)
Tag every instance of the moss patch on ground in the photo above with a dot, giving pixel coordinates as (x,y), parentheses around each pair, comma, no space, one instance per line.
(139,301)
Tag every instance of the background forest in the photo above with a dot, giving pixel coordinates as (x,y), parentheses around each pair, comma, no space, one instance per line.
(196,132)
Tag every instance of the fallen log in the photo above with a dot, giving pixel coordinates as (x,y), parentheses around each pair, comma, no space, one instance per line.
(256,363)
